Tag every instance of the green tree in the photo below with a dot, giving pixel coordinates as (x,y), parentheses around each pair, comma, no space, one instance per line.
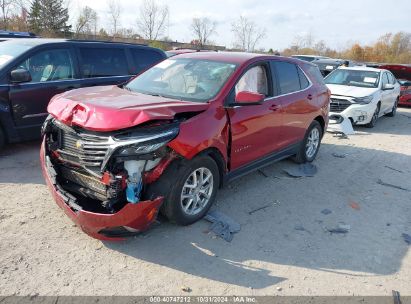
(34,17)
(49,17)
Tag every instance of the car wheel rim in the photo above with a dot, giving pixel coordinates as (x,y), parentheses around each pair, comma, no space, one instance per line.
(313,141)
(197,191)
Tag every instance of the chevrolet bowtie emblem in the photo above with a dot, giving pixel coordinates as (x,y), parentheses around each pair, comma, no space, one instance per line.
(79,144)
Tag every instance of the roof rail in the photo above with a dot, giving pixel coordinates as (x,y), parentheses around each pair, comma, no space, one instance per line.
(105,41)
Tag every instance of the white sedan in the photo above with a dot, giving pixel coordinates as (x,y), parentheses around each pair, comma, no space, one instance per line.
(363,94)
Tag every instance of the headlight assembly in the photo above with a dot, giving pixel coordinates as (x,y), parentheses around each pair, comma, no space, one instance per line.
(363,100)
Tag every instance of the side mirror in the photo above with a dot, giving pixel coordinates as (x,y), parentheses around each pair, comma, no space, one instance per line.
(249,98)
(388,86)
(20,75)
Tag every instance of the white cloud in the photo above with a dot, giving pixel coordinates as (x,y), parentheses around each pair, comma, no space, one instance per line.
(335,22)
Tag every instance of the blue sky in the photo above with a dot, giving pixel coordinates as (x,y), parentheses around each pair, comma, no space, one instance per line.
(336,22)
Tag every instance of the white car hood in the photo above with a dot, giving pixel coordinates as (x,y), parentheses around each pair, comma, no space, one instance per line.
(351,91)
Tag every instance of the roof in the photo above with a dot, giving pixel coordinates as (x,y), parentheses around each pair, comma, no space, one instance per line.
(330,61)
(232,57)
(40,41)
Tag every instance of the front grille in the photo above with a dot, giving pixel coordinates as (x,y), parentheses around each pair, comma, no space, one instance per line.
(86,150)
(339,105)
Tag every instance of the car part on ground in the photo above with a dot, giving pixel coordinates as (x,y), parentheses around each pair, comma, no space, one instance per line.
(171,137)
(340,124)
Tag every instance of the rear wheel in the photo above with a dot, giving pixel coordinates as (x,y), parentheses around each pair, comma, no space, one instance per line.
(374,118)
(394,109)
(189,189)
(311,143)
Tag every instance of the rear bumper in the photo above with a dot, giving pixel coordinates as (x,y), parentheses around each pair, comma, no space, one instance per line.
(138,216)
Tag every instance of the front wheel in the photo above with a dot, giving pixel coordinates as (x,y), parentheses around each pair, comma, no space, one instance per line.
(374,118)
(189,189)
(311,144)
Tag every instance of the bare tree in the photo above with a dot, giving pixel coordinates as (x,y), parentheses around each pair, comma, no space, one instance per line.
(114,12)
(86,21)
(6,6)
(203,28)
(152,21)
(247,34)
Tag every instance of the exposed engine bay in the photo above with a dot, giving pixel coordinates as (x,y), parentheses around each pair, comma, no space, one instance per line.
(106,170)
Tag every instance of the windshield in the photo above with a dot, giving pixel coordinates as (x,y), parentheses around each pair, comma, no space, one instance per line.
(10,50)
(184,79)
(355,78)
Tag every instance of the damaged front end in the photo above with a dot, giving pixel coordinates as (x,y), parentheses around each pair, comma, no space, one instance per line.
(99,178)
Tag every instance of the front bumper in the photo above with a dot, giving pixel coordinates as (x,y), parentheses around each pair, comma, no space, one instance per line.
(359,114)
(132,217)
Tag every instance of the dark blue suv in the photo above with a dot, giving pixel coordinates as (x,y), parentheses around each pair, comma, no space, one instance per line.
(34,70)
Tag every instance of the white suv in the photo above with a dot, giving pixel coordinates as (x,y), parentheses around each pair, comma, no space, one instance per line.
(363,94)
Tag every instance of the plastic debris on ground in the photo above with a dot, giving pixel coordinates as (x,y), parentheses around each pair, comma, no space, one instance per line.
(391,185)
(326,211)
(337,155)
(302,170)
(222,225)
(355,205)
(407,238)
(340,124)
(341,228)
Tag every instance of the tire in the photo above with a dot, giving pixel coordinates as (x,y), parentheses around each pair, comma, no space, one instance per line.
(394,109)
(173,185)
(2,139)
(313,138)
(375,117)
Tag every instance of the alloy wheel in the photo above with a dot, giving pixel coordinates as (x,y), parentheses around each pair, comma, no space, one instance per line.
(197,191)
(313,141)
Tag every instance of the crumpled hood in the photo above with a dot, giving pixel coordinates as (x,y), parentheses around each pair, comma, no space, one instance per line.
(350,91)
(109,108)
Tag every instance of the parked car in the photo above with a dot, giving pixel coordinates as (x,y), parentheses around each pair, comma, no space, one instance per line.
(309,58)
(112,156)
(363,94)
(326,66)
(8,34)
(403,73)
(34,70)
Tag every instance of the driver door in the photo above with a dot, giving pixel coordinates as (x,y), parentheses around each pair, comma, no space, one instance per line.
(254,128)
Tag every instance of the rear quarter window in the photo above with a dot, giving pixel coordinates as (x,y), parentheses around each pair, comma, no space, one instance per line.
(103,62)
(144,59)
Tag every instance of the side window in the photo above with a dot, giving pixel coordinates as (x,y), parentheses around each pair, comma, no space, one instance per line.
(384,80)
(391,78)
(288,78)
(102,62)
(304,83)
(49,65)
(145,58)
(254,80)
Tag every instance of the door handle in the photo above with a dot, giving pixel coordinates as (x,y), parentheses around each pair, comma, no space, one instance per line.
(310,97)
(274,107)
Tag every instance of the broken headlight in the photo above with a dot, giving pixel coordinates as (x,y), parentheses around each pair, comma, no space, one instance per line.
(139,143)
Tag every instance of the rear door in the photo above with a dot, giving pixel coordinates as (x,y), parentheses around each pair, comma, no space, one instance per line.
(103,65)
(254,128)
(295,98)
(53,71)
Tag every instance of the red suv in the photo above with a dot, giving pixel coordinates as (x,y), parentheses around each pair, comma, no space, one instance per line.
(114,156)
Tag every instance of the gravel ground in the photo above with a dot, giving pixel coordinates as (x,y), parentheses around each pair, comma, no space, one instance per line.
(283,249)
